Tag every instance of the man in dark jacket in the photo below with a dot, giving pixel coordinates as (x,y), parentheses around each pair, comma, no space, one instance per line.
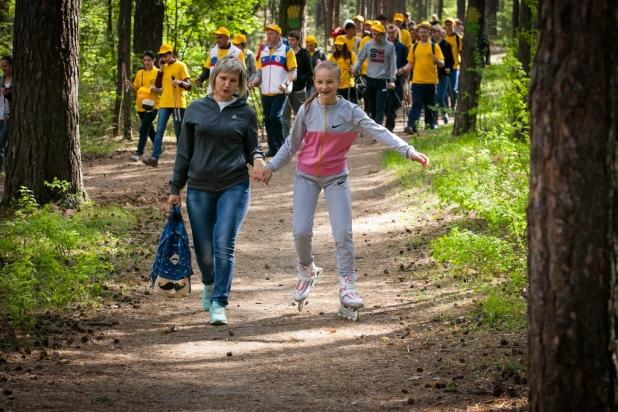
(317,57)
(304,74)
(438,35)
(393,101)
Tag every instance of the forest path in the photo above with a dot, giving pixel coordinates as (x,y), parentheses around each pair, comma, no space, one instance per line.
(413,348)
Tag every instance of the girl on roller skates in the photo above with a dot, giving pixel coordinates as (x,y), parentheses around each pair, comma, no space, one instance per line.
(324,130)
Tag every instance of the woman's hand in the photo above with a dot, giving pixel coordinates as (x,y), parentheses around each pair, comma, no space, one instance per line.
(173,199)
(261,172)
(420,158)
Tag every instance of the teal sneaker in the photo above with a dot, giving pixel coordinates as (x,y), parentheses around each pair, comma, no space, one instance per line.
(217,314)
(206,295)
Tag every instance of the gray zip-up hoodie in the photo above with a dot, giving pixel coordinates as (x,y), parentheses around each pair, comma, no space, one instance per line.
(215,146)
(382,60)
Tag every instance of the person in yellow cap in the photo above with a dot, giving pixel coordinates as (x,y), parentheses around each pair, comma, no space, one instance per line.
(172,83)
(317,56)
(276,72)
(456,42)
(240,41)
(144,87)
(423,58)
(345,59)
(223,47)
(404,36)
(381,70)
(359,20)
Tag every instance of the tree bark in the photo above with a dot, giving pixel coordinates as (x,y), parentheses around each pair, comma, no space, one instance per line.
(293,16)
(524,51)
(515,20)
(148,25)
(572,210)
(461,10)
(492,18)
(44,124)
(123,70)
(440,9)
(472,63)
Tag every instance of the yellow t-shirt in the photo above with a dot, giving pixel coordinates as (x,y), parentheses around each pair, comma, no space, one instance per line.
(350,43)
(208,64)
(405,38)
(360,47)
(145,78)
(425,71)
(456,50)
(180,72)
(347,81)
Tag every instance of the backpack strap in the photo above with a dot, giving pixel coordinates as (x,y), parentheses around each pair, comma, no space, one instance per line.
(457,40)
(433,48)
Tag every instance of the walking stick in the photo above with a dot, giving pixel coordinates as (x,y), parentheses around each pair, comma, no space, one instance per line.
(261,112)
(176,109)
(124,72)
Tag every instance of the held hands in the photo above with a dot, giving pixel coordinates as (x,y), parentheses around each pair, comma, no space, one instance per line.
(420,158)
(173,199)
(261,172)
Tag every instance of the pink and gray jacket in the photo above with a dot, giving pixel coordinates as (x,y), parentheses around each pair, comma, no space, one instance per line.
(324,135)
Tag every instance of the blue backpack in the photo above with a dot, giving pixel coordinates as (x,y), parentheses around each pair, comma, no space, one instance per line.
(171,270)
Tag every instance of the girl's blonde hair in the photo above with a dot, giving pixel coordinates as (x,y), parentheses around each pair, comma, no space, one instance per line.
(230,64)
(325,65)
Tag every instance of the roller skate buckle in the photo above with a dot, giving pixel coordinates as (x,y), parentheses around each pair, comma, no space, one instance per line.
(305,285)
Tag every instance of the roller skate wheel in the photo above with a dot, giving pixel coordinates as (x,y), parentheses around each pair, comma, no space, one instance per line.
(301,306)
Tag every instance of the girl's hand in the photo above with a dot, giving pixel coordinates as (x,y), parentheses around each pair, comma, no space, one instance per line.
(173,199)
(261,172)
(420,158)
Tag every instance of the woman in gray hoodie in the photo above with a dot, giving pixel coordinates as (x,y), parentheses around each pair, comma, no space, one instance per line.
(219,137)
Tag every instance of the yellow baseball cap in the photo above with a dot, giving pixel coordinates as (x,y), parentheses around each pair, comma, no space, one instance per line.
(273,27)
(424,24)
(377,26)
(239,38)
(311,40)
(222,30)
(452,20)
(166,48)
(359,18)
(369,22)
(340,40)
(398,17)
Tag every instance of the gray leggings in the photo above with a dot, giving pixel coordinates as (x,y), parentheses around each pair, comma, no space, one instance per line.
(307,188)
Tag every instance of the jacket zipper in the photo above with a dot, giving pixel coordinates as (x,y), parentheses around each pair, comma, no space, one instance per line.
(323,138)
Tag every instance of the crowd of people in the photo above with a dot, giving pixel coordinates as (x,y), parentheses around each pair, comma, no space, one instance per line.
(377,64)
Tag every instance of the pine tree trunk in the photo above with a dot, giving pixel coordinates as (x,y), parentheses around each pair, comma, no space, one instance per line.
(148,25)
(44,123)
(492,18)
(572,210)
(472,63)
(524,52)
(440,9)
(123,101)
(515,19)
(461,10)
(293,16)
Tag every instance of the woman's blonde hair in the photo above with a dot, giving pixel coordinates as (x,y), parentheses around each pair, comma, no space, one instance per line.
(325,65)
(230,64)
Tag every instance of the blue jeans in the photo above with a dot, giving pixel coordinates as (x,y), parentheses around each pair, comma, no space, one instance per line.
(146,130)
(164,115)
(453,86)
(377,90)
(216,218)
(443,82)
(273,120)
(422,95)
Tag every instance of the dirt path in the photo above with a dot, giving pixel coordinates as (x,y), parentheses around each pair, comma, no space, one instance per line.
(414,348)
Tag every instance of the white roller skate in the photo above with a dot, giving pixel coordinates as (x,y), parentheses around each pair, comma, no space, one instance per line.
(307,276)
(350,299)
